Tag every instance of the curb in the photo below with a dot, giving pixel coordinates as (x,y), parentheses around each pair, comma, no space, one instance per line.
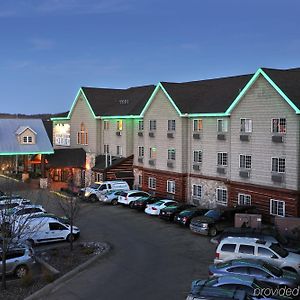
(51,286)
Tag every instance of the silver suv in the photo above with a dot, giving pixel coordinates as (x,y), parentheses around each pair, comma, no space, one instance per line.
(19,260)
(242,247)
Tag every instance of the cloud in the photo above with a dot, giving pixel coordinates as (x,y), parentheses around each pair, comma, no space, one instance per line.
(42,43)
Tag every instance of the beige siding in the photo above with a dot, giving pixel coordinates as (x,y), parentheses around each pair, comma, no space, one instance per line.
(262,103)
(28,133)
(162,110)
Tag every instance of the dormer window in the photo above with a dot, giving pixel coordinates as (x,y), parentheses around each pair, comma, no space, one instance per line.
(27,139)
(26,135)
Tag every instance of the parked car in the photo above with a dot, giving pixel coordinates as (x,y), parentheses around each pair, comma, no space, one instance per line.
(93,192)
(9,197)
(11,203)
(110,197)
(216,220)
(241,247)
(169,213)
(242,282)
(141,203)
(47,229)
(19,260)
(258,269)
(63,220)
(185,217)
(128,197)
(154,209)
(216,293)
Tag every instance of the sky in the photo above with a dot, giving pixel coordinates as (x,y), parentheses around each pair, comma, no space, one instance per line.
(50,48)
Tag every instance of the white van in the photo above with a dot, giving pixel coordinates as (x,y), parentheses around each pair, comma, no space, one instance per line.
(47,229)
(95,190)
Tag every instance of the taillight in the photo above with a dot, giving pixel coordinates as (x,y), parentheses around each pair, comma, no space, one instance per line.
(184,219)
(217,255)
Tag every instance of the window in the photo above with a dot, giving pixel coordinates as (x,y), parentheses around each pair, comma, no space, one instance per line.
(152,153)
(152,125)
(265,252)
(119,125)
(278,125)
(141,125)
(141,151)
(171,125)
(171,186)
(244,199)
(197,156)
(197,191)
(152,183)
(56,226)
(222,159)
(245,161)
(238,270)
(277,208)
(222,125)
(197,125)
(140,180)
(221,195)
(106,148)
(119,150)
(82,135)
(246,125)
(246,249)
(27,139)
(278,165)
(171,154)
(228,248)
(106,124)
(98,176)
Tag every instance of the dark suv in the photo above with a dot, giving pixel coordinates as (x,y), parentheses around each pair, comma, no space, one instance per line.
(216,220)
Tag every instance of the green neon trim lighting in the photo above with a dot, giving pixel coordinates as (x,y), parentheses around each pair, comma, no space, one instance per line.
(120,117)
(25,153)
(59,118)
(251,82)
(207,115)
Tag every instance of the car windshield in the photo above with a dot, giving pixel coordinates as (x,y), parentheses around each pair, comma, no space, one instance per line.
(214,214)
(95,186)
(279,250)
(158,203)
(187,212)
(272,269)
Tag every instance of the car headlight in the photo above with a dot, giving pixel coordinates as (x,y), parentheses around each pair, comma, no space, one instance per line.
(204,225)
(86,194)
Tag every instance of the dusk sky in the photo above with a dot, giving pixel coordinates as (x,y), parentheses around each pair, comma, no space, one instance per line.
(50,48)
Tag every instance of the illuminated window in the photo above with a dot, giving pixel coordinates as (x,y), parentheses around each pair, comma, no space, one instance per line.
(82,135)
(246,125)
(120,125)
(152,153)
(279,125)
(198,125)
(278,165)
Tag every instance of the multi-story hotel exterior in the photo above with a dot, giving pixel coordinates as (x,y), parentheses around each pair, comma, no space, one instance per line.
(225,141)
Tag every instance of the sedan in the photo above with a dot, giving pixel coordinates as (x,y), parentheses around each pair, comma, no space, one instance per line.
(141,203)
(185,217)
(110,197)
(258,269)
(169,213)
(154,209)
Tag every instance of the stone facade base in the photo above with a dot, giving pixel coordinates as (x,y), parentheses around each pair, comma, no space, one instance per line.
(43,183)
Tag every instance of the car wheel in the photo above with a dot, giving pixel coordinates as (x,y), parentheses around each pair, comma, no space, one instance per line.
(70,238)
(114,202)
(131,204)
(93,198)
(21,271)
(213,231)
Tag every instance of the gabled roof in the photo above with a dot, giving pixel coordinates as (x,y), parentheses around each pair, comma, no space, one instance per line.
(21,129)
(9,144)
(63,158)
(206,96)
(118,102)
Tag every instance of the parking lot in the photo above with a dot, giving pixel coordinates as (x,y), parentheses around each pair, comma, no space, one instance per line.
(149,259)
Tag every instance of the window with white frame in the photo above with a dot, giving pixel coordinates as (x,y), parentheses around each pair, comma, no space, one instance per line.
(221,196)
(222,158)
(197,191)
(171,125)
(141,125)
(140,180)
(278,164)
(277,208)
(106,124)
(152,183)
(171,154)
(27,139)
(141,151)
(106,148)
(222,125)
(246,125)
(278,125)
(152,125)
(171,186)
(197,125)
(244,199)
(152,153)
(197,154)
(119,150)
(245,161)
(119,125)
